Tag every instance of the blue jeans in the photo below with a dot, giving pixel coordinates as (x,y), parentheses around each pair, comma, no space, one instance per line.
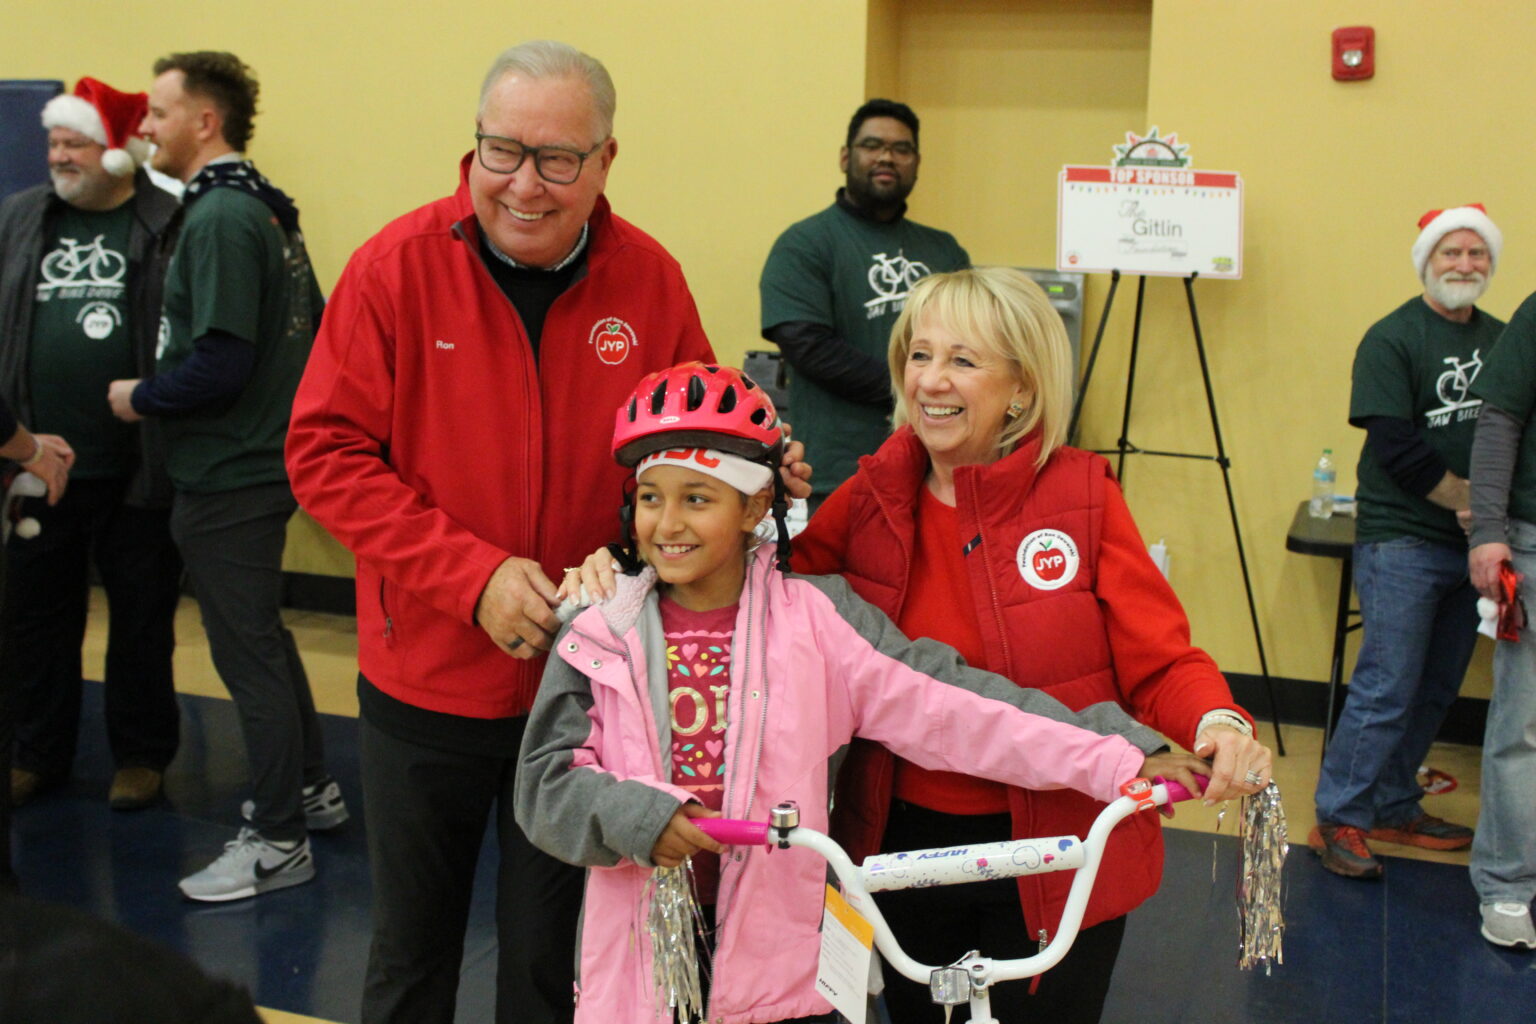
(1419,613)
(1504,851)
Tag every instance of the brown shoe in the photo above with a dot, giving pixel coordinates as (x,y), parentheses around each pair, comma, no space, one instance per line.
(134,788)
(1426,832)
(24,785)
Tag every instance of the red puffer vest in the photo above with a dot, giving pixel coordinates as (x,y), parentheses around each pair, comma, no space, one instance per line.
(1020,524)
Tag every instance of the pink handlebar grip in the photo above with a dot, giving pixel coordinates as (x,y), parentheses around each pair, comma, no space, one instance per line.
(1176,790)
(733,831)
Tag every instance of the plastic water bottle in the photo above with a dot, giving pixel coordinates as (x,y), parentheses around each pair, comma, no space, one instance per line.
(1323,479)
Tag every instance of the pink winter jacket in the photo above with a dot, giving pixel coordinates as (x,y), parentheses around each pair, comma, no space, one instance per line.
(812,665)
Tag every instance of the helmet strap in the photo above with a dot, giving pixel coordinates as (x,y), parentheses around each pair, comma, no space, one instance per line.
(781,519)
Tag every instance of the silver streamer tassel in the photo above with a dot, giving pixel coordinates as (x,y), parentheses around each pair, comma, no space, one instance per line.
(1260,919)
(672,920)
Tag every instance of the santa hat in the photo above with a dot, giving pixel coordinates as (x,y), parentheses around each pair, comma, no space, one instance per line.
(112,118)
(1436,224)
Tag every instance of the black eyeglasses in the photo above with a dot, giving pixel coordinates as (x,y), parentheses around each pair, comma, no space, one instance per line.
(555,164)
(873,146)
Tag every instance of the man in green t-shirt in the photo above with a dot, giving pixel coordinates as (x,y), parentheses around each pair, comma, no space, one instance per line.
(82,260)
(834,285)
(1413,379)
(241,308)
(1503,486)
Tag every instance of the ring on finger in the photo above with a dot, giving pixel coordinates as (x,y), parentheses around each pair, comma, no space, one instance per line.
(518,642)
(1252,777)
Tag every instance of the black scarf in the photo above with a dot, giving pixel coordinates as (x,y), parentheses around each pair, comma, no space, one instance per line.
(243,175)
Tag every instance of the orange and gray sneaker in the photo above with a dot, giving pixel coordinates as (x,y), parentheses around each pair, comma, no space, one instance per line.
(1426,832)
(1344,850)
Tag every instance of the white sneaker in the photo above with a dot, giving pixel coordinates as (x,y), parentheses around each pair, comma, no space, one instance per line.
(324,808)
(1508,924)
(250,865)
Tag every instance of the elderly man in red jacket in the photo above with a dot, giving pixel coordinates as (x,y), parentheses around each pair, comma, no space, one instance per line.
(452,430)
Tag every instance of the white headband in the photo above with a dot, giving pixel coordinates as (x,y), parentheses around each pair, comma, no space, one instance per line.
(747,477)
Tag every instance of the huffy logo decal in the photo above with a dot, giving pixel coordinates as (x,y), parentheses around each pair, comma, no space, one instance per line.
(612,339)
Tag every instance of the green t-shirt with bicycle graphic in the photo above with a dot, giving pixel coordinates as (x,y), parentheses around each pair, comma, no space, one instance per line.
(1416,365)
(852,274)
(82,339)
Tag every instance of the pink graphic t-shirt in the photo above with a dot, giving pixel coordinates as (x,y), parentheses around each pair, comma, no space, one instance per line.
(699,684)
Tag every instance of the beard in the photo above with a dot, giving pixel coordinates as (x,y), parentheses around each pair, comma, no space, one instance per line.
(70,185)
(868,195)
(1456,291)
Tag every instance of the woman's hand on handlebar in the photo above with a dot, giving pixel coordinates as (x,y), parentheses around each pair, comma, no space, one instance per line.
(681,838)
(1240,764)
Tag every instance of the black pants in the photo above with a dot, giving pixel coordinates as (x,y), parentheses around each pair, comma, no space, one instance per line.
(427,813)
(46,593)
(939,925)
(233,544)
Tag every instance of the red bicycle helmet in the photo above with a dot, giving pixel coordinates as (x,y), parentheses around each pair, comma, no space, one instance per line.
(697,405)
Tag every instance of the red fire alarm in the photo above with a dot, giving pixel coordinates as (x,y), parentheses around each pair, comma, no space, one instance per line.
(1354,53)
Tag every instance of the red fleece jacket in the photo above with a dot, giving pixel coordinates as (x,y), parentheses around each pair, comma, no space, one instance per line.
(429,441)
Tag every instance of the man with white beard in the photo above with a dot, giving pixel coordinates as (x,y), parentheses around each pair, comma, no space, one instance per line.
(82,264)
(1412,379)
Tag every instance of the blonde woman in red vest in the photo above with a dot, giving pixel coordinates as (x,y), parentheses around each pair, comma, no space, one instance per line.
(975,525)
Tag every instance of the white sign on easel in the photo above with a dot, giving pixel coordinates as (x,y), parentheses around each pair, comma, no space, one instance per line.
(1150,212)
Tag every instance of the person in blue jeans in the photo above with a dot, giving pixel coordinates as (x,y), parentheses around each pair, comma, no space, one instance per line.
(1503,486)
(1412,393)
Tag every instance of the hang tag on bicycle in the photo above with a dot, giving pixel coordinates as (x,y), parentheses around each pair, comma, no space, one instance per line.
(847,954)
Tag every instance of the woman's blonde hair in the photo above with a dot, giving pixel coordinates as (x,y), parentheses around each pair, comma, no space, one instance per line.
(1002,312)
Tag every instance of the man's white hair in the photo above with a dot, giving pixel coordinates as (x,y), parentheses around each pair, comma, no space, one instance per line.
(546,58)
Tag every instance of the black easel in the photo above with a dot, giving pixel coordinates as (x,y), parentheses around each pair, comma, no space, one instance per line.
(1124,447)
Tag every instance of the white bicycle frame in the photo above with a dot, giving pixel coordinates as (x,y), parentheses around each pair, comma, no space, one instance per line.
(969,979)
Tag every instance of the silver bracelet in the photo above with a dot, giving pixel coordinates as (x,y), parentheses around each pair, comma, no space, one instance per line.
(1223,716)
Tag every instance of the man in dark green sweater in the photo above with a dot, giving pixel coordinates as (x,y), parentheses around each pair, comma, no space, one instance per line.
(834,285)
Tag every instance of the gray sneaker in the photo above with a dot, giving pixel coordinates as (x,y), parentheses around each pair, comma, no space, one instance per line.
(324,808)
(1508,924)
(248,866)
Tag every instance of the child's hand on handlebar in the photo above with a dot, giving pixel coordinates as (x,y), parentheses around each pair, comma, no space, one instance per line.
(1180,768)
(681,838)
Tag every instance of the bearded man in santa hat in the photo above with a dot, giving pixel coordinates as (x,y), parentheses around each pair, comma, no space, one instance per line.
(82,262)
(1412,394)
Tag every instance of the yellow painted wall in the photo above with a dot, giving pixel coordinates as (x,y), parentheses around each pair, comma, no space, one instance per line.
(731,114)
(728,121)
(1336,176)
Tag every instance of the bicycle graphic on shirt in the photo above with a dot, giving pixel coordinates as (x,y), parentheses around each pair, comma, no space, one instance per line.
(892,277)
(73,263)
(1452,385)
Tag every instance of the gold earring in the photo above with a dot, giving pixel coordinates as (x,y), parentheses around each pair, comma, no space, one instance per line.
(1015,409)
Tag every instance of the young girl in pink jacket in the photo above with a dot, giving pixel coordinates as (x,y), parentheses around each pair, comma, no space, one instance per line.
(715,682)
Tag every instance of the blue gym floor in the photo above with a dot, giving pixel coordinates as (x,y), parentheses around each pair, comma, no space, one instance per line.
(1402,950)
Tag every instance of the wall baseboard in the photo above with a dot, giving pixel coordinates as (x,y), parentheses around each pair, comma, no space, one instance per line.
(1302,702)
